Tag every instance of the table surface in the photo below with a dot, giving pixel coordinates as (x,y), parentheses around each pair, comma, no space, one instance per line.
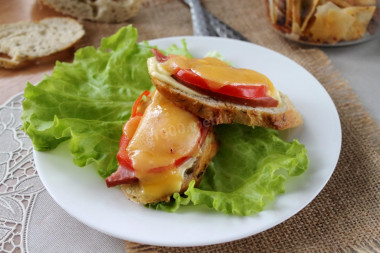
(358,64)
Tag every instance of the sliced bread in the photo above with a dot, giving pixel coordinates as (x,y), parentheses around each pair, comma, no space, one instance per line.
(28,41)
(96,10)
(221,112)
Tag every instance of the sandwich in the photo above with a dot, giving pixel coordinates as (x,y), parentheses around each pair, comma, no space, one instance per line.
(215,91)
(162,149)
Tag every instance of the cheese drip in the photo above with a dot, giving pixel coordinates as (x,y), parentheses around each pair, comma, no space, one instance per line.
(219,72)
(165,134)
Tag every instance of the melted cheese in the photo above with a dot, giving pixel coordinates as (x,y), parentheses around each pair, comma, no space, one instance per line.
(157,71)
(165,134)
(157,185)
(162,72)
(218,72)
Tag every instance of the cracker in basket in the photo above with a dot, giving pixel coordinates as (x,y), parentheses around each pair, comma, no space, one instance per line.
(288,17)
(333,24)
(302,11)
(296,17)
(270,10)
(278,14)
(307,10)
(363,15)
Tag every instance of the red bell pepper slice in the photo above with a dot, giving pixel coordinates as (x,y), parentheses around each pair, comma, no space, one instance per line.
(137,103)
(251,95)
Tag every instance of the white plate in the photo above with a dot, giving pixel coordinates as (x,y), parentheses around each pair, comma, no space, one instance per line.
(84,195)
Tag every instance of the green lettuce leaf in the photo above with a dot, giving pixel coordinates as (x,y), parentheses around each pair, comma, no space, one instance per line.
(217,55)
(249,170)
(88,101)
(174,49)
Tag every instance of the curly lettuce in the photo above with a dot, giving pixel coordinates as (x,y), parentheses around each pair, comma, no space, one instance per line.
(88,101)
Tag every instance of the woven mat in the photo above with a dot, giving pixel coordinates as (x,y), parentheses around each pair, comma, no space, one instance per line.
(345,217)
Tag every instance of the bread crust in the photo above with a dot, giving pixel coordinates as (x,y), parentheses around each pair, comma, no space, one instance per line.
(220,112)
(208,150)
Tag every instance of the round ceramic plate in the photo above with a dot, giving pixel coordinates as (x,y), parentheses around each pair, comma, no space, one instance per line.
(84,195)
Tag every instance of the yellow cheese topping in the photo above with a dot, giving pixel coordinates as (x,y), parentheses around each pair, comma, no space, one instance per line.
(158,185)
(165,134)
(218,72)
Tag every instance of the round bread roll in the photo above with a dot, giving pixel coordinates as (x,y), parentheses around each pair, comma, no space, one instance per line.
(108,11)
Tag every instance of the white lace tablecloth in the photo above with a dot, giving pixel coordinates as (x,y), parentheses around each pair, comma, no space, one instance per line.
(30,220)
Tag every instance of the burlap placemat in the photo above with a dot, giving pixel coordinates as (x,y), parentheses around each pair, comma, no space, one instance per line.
(345,217)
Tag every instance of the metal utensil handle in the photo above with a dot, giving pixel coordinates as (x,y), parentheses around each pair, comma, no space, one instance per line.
(220,28)
(224,30)
(201,25)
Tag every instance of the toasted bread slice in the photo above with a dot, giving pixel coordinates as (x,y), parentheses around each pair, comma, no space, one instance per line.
(28,41)
(101,10)
(222,112)
(193,169)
